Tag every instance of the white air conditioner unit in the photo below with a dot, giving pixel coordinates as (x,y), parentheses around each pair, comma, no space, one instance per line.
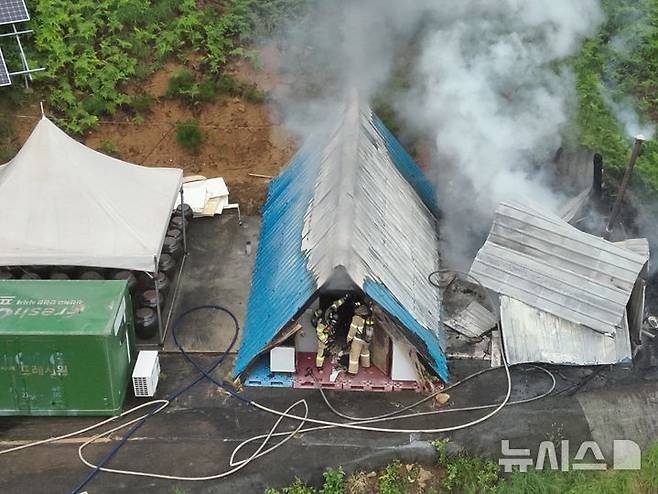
(282,359)
(146,373)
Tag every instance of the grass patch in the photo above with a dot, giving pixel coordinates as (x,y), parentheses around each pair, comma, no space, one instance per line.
(632,71)
(466,474)
(188,135)
(644,481)
(141,103)
(183,85)
(180,83)
(229,85)
(473,475)
(109,148)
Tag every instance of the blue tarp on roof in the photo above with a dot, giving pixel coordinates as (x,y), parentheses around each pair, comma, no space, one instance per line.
(283,283)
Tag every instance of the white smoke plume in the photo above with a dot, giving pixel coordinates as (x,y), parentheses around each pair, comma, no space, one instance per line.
(491,86)
(635,25)
(625,113)
(484,81)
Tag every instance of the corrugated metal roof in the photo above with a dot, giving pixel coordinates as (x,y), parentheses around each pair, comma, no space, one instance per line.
(540,260)
(638,245)
(281,283)
(345,201)
(407,166)
(532,335)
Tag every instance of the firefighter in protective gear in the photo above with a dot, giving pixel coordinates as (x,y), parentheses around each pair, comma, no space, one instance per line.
(325,324)
(360,336)
(331,314)
(324,331)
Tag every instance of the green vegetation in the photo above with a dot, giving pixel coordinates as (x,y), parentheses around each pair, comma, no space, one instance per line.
(297,487)
(393,479)
(7,148)
(189,135)
(644,481)
(333,482)
(467,474)
(624,58)
(229,85)
(97,52)
(109,148)
(183,84)
(473,475)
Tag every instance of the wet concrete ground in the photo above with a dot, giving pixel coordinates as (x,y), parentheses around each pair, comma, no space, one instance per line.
(198,432)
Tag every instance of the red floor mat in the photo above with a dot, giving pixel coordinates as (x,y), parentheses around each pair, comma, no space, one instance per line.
(367,379)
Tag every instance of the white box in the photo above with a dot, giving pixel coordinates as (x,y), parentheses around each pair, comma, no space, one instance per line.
(146,373)
(282,359)
(402,368)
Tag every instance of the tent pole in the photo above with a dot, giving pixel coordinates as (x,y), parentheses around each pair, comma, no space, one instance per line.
(184,222)
(157,298)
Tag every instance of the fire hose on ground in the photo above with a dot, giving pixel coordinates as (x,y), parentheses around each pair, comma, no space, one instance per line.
(302,419)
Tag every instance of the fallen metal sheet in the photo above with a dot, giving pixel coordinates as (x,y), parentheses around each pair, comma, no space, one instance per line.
(539,259)
(473,321)
(532,335)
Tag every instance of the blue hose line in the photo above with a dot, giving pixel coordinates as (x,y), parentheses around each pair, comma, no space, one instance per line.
(203,375)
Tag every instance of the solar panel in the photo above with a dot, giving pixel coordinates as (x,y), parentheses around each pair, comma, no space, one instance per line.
(4,73)
(13,11)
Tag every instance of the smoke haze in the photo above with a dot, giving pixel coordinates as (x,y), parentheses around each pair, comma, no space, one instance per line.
(635,26)
(483,79)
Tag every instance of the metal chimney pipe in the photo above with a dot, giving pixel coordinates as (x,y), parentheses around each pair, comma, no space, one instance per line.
(597,176)
(624,185)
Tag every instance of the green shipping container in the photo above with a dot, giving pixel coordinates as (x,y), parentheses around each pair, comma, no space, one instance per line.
(66,347)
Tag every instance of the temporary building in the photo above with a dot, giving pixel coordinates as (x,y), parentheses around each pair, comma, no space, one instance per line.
(351,212)
(66,204)
(567,297)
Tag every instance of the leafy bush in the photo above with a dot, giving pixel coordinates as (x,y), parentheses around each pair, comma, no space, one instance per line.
(298,487)
(228,84)
(206,91)
(391,480)
(141,103)
(181,83)
(109,148)
(470,475)
(251,93)
(334,482)
(189,135)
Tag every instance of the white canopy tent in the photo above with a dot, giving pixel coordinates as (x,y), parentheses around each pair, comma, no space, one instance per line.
(65,204)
